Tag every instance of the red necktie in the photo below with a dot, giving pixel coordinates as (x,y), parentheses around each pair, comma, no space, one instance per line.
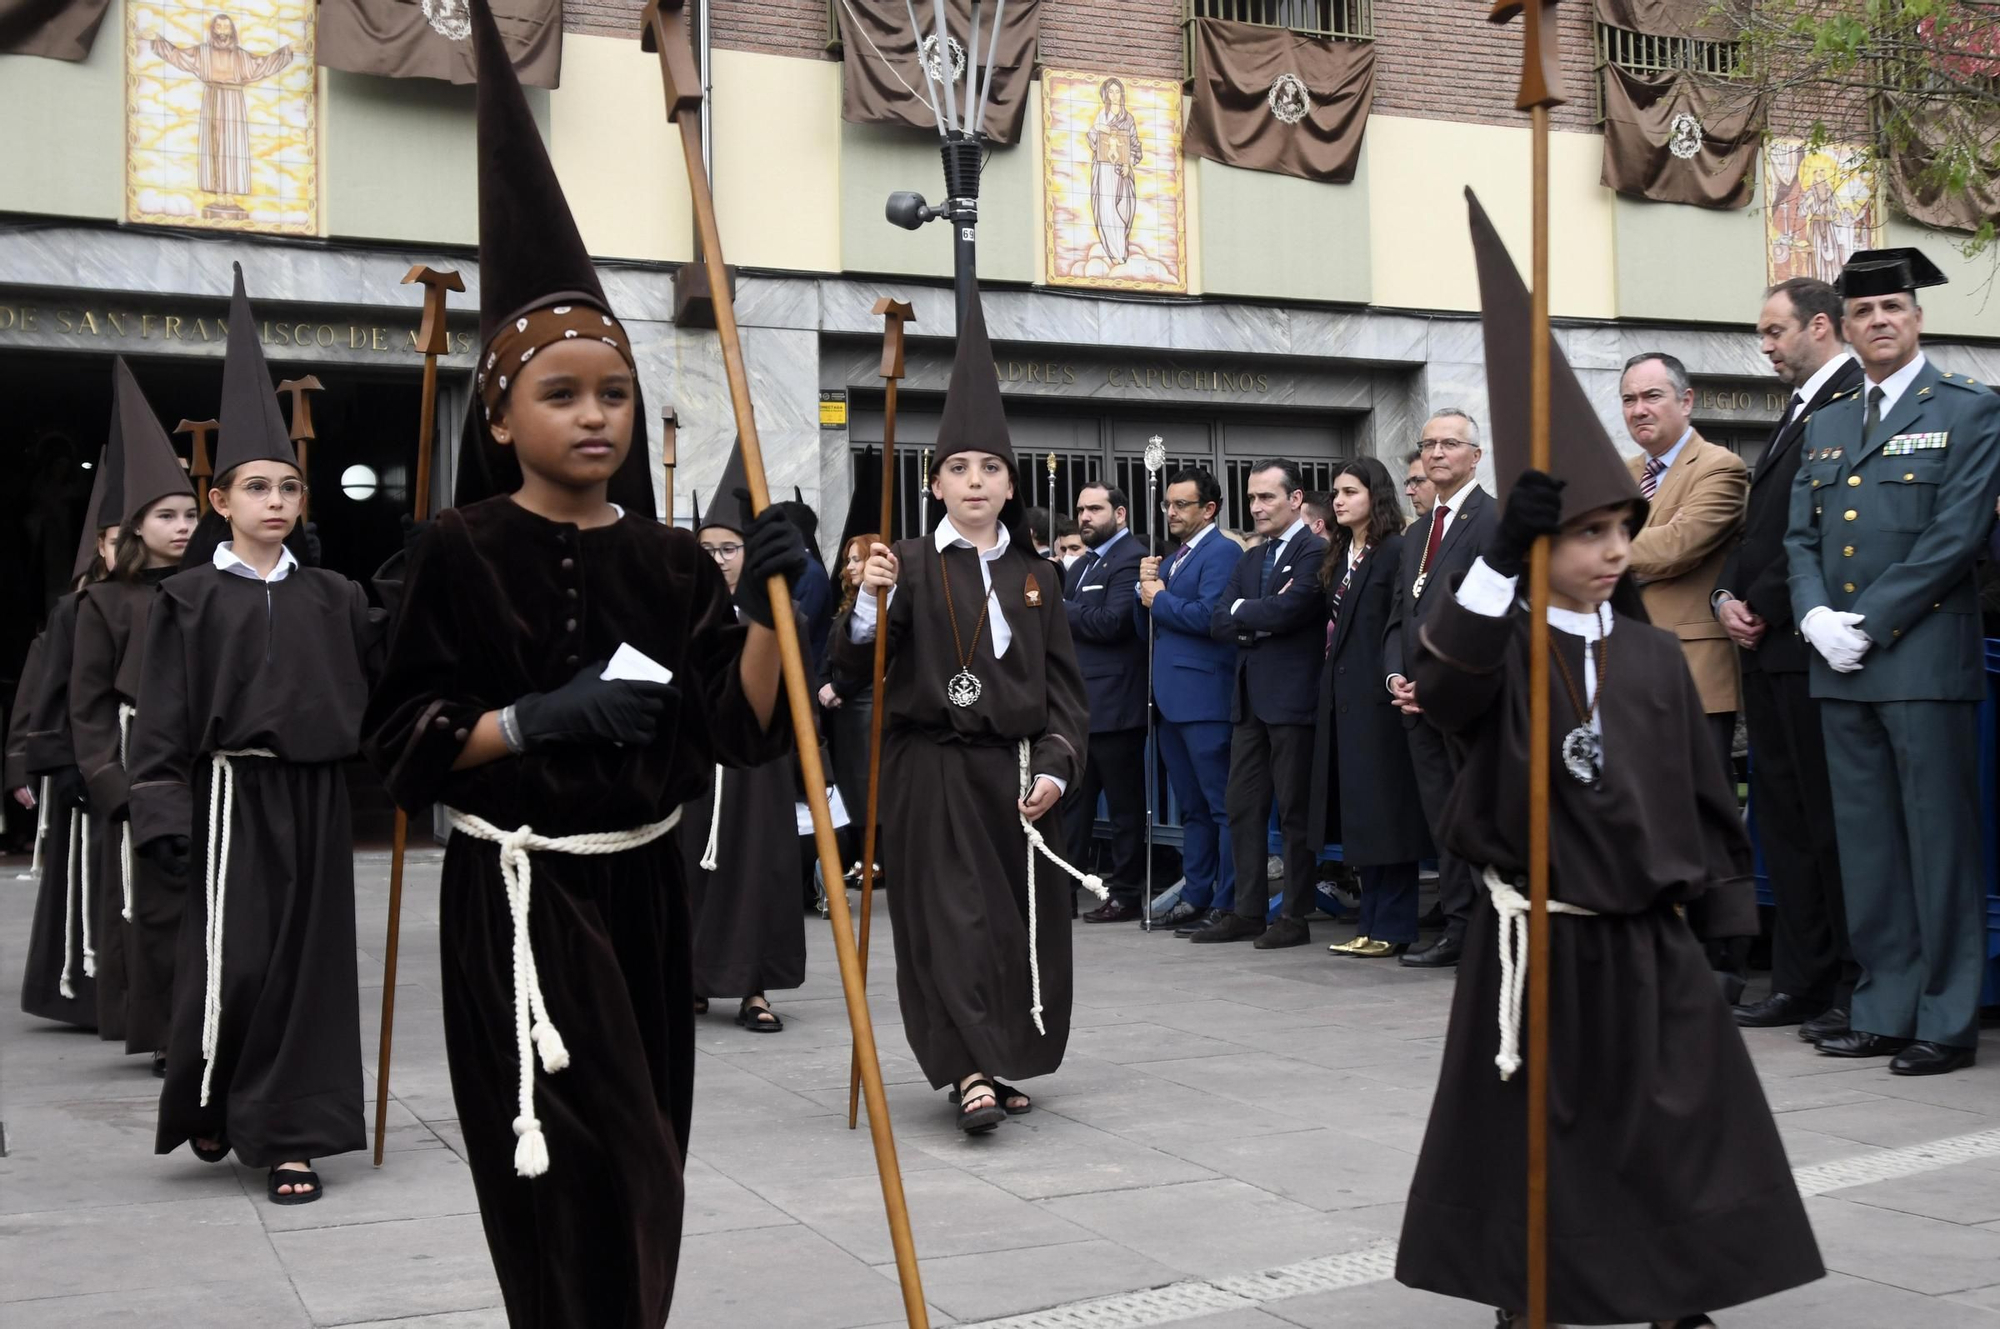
(1438,515)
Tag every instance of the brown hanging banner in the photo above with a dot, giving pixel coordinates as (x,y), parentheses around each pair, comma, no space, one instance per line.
(1267,99)
(1701,19)
(882,83)
(54,29)
(1923,199)
(1671,138)
(405,39)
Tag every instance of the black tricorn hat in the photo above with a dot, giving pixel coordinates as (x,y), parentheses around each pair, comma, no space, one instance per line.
(250,426)
(725,510)
(152,469)
(975,419)
(1886,272)
(1581,452)
(106,495)
(530,255)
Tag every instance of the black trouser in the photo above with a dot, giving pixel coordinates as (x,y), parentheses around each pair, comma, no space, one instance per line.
(1115,766)
(1789,790)
(1266,760)
(1437,770)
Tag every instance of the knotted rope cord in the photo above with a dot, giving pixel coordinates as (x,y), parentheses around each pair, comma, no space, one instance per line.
(125,713)
(708,859)
(72,912)
(221,810)
(533,1030)
(1512,909)
(41,830)
(82,887)
(1090,880)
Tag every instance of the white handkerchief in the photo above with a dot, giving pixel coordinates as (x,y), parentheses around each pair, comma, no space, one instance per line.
(802,810)
(634,665)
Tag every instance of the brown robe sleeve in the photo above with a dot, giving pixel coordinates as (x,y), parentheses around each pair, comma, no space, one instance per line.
(1728,908)
(162,753)
(45,732)
(93,709)
(1459,670)
(16,772)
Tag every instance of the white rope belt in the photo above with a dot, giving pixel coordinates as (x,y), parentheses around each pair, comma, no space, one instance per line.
(1091,882)
(708,858)
(221,807)
(533,1030)
(125,713)
(76,903)
(41,831)
(1512,909)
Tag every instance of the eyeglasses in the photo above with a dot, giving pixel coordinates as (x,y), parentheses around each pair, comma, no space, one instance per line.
(1441,444)
(259,489)
(1182,505)
(722,553)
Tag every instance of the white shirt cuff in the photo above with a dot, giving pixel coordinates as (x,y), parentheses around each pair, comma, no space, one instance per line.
(1235,605)
(861,623)
(1485,592)
(1062,786)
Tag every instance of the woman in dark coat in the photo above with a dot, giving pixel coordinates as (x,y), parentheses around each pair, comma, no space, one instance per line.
(847,704)
(1364,788)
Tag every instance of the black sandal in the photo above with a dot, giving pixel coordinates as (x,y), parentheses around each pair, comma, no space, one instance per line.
(1007,1091)
(215,1155)
(977,1121)
(758,1019)
(293,1177)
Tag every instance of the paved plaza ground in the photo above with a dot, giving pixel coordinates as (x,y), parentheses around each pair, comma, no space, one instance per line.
(1227,1147)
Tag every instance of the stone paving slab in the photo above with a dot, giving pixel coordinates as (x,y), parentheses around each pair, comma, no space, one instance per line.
(1222,1111)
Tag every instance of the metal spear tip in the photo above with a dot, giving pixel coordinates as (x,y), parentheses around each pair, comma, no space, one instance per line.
(907,209)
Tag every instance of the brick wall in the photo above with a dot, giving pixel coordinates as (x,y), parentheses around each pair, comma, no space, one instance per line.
(1441,60)
(1121,36)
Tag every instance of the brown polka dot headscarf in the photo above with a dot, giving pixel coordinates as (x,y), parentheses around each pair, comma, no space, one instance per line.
(517,342)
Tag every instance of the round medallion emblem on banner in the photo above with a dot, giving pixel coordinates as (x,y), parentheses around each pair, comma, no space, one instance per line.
(1288,99)
(1684,136)
(450,19)
(948,68)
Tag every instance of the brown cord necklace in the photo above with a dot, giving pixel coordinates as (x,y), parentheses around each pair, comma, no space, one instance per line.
(963,688)
(1582,749)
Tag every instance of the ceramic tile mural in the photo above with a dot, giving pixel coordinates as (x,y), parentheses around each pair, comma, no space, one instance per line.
(1823,204)
(1115,212)
(221,124)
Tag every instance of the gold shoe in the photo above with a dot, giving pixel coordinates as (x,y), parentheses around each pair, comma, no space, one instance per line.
(1375,950)
(1349,947)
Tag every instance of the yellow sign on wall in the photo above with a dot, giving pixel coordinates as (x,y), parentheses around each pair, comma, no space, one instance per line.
(221,120)
(1116,215)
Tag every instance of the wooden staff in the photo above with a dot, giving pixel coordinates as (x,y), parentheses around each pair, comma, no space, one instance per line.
(302,416)
(670,428)
(895,315)
(199,465)
(1537,94)
(432,342)
(666,32)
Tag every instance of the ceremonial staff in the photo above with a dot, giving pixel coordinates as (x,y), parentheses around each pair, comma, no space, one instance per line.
(666,32)
(1155,457)
(923,492)
(199,465)
(1052,504)
(895,315)
(1537,94)
(431,343)
(670,427)
(302,416)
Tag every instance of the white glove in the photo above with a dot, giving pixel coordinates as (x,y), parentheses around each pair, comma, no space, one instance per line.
(1833,634)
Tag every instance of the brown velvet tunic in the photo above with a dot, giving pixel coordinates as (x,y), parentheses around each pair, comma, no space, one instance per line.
(1669,1191)
(42,715)
(951,834)
(233,663)
(109,660)
(500,603)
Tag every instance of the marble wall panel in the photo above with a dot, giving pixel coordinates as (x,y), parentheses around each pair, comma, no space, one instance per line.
(1140,324)
(777,302)
(1229,329)
(1592,347)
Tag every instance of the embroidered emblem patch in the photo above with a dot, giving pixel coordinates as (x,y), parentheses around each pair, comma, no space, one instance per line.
(1684,136)
(1288,99)
(1034,592)
(1902,445)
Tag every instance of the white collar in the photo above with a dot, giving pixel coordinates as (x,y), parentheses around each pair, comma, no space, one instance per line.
(1105,548)
(1894,386)
(946,535)
(1673,454)
(1820,377)
(1582,625)
(1197,537)
(1290,531)
(226,559)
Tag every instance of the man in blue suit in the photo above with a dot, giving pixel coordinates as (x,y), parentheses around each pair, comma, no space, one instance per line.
(1099,592)
(1274,609)
(1192,676)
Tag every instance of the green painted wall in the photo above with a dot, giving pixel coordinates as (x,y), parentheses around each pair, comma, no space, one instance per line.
(1699,265)
(1269,236)
(1969,306)
(63,149)
(875,161)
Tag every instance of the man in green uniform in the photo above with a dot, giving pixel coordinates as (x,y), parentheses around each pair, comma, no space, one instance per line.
(1890,511)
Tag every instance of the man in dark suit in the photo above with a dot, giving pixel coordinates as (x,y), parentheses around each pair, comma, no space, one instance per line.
(1812,965)
(1192,677)
(1890,514)
(1275,612)
(1437,550)
(1099,592)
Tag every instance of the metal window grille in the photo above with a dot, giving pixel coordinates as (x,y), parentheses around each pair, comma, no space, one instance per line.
(1348,20)
(1318,473)
(1646,53)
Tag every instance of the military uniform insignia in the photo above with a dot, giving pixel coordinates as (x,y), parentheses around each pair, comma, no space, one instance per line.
(1904,445)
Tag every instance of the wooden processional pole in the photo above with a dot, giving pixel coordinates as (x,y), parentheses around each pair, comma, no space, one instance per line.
(666,31)
(895,316)
(431,343)
(670,456)
(1539,77)
(199,465)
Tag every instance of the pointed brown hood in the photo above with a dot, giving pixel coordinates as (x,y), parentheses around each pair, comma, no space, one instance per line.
(975,419)
(152,468)
(531,255)
(250,425)
(106,495)
(1581,453)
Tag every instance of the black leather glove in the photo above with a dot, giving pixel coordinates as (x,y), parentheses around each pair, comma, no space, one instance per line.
(67,789)
(772,546)
(1534,508)
(590,709)
(169,854)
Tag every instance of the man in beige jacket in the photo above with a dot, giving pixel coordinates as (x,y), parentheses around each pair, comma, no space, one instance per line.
(1698,492)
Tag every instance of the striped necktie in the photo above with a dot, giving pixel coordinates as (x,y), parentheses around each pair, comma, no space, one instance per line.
(1649,479)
